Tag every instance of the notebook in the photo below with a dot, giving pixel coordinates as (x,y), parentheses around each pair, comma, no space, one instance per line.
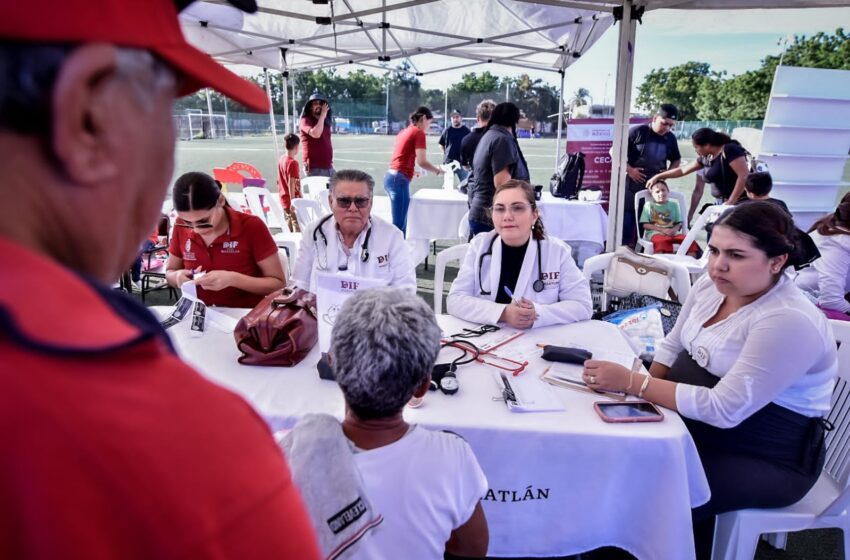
(568,376)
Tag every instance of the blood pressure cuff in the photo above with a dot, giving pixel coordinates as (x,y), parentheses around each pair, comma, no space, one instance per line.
(566,355)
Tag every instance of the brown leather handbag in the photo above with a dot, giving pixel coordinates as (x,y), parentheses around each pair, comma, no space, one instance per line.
(280,331)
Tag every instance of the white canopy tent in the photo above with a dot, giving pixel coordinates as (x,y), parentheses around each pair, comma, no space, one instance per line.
(545,35)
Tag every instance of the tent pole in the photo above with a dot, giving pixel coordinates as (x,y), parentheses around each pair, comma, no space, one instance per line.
(560,121)
(446,110)
(622,105)
(210,113)
(271,114)
(285,77)
(295,119)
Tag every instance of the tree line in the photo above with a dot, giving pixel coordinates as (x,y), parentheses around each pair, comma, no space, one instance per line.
(703,94)
(361,94)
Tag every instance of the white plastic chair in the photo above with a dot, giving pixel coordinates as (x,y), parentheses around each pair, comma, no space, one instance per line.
(463,228)
(827,504)
(284,264)
(306,211)
(254,197)
(646,196)
(322,198)
(454,253)
(449,174)
(312,185)
(680,278)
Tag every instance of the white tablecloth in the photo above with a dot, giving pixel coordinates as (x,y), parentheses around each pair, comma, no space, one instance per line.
(560,482)
(436,213)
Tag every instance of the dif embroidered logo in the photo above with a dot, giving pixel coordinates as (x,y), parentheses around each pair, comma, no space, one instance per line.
(551,278)
(230,247)
(348,285)
(383,260)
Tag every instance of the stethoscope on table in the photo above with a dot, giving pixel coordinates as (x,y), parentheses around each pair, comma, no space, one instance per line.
(364,250)
(537,286)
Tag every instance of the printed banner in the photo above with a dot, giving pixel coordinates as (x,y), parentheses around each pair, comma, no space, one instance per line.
(594,138)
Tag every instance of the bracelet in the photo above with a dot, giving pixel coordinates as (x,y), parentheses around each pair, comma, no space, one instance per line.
(635,368)
(644,386)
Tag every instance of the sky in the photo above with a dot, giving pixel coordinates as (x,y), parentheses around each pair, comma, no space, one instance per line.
(730,40)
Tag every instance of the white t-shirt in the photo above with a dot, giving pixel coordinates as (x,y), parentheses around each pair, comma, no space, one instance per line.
(779,348)
(425,485)
(828,278)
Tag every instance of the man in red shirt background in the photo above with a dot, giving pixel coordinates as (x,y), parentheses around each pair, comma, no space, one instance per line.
(316,127)
(110,446)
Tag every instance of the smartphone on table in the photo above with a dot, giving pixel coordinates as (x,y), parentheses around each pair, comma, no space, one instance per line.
(629,411)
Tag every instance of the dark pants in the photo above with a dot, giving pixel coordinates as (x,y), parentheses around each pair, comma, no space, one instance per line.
(476,227)
(771,459)
(630,229)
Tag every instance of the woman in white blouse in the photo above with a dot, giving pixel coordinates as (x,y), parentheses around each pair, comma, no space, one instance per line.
(750,365)
(828,279)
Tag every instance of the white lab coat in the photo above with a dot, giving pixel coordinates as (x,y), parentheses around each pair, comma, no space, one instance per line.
(389,256)
(565,297)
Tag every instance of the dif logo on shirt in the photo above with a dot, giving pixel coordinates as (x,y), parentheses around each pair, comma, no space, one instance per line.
(230,247)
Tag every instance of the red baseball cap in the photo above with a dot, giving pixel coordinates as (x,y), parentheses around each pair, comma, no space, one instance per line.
(145,24)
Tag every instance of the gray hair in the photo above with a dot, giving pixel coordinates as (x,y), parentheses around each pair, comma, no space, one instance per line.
(384,345)
(352,175)
(28,73)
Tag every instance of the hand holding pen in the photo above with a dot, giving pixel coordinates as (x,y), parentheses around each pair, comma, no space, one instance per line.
(520,313)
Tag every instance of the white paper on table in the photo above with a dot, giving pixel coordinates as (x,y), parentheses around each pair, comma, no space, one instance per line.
(532,394)
(331,292)
(219,320)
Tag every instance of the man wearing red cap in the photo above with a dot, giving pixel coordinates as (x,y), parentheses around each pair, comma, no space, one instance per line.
(111,447)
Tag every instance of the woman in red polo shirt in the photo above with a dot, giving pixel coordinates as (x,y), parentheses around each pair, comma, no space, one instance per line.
(235,251)
(409,150)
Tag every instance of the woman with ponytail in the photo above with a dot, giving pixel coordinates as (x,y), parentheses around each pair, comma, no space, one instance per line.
(409,151)
(726,169)
(750,366)
(516,274)
(828,279)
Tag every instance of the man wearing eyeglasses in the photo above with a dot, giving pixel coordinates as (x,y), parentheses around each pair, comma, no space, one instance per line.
(111,446)
(651,146)
(351,241)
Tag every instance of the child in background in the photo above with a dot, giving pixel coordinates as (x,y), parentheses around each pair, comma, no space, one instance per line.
(289,180)
(662,221)
(758,186)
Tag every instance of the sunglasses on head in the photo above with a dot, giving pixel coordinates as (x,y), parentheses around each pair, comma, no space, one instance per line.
(359,201)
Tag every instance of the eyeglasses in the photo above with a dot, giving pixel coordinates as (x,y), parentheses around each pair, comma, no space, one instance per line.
(359,201)
(515,208)
(203,223)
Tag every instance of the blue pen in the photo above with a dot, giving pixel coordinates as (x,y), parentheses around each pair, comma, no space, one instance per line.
(510,294)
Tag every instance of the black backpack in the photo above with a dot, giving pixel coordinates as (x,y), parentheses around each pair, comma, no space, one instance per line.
(567,181)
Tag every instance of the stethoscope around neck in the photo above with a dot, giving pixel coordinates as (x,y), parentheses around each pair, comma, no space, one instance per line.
(537,286)
(364,249)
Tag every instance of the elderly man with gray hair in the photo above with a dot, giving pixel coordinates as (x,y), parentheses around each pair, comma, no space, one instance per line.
(352,241)
(426,484)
